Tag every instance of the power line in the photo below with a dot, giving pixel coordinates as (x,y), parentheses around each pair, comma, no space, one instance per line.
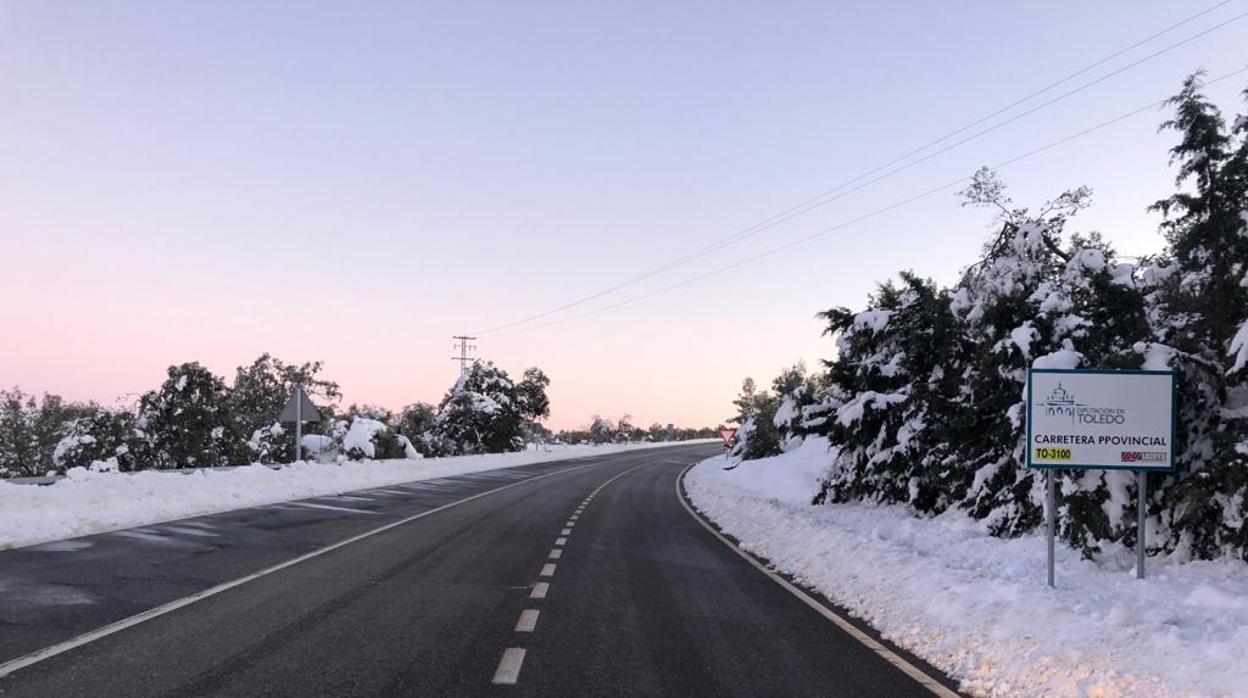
(872,214)
(830,195)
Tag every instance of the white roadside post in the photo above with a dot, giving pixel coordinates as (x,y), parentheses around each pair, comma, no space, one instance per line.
(1100,419)
(295,410)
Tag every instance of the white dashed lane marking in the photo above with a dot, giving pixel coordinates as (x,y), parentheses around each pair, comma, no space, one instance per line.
(508,671)
(528,621)
(509,666)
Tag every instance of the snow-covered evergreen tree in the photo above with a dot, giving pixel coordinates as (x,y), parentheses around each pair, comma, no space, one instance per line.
(486,412)
(19,444)
(771,419)
(924,403)
(893,391)
(186,421)
(1199,308)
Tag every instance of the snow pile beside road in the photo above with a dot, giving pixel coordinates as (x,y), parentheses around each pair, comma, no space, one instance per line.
(977,606)
(90,501)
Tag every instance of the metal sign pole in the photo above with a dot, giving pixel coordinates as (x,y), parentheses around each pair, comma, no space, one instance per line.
(298,424)
(1141,494)
(1050,516)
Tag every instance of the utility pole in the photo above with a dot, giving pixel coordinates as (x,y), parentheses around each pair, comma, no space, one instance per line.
(462,343)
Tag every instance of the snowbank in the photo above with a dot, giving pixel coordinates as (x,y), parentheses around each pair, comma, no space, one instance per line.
(89,501)
(976,606)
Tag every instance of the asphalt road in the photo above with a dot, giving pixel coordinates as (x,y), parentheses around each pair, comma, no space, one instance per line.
(576,578)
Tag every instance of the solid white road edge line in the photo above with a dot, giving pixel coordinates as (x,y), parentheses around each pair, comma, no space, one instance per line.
(874,645)
(509,666)
(112,628)
(330,507)
(528,621)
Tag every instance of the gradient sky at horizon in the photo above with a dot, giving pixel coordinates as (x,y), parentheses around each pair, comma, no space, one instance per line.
(357,182)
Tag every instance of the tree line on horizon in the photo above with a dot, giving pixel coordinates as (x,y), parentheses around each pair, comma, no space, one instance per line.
(195,419)
(923,402)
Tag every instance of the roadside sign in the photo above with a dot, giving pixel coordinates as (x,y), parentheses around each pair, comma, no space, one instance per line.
(299,409)
(727,434)
(1100,419)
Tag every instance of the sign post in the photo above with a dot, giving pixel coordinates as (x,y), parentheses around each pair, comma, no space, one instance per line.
(299,409)
(1100,419)
(1141,489)
(1050,520)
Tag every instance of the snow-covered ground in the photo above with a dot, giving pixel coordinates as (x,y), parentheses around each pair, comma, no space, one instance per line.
(978,607)
(92,502)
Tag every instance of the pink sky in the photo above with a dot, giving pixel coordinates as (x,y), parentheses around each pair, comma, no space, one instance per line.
(355,185)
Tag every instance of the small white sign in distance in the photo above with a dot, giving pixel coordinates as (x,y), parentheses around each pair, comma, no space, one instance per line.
(1101,419)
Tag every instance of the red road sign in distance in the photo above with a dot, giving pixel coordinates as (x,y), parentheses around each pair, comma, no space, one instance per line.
(726,434)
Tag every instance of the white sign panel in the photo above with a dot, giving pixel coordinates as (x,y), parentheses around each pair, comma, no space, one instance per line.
(1100,419)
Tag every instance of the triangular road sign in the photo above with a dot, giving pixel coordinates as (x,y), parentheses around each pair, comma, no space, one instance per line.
(299,408)
(727,434)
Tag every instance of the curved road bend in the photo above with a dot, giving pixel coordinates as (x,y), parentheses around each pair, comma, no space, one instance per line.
(591,579)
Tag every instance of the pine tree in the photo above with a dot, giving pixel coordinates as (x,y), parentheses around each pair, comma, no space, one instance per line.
(745,401)
(891,357)
(1200,308)
(19,443)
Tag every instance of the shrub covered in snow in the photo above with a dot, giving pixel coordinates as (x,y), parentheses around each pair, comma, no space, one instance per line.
(366,438)
(415,424)
(103,436)
(271,444)
(31,428)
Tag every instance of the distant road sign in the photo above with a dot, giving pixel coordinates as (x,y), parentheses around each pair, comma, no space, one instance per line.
(299,409)
(727,435)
